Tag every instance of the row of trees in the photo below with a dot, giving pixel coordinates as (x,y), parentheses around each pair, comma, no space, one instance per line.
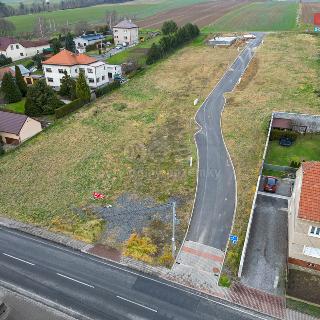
(171,41)
(43,5)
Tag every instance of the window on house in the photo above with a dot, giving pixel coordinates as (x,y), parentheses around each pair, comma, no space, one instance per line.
(60,70)
(90,70)
(311,252)
(91,80)
(12,47)
(125,37)
(48,70)
(17,46)
(81,69)
(76,70)
(21,54)
(98,80)
(103,77)
(314,231)
(50,79)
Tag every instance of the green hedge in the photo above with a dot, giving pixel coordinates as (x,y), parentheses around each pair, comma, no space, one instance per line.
(68,108)
(108,88)
(276,134)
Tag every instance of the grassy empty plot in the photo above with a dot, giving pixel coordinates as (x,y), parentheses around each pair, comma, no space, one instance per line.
(258,16)
(17,107)
(96,14)
(305,148)
(276,80)
(137,140)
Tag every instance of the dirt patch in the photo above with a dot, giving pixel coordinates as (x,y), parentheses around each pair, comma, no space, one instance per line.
(201,14)
(303,285)
(106,252)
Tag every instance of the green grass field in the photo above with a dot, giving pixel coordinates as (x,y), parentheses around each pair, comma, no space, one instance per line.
(17,107)
(258,16)
(305,148)
(139,9)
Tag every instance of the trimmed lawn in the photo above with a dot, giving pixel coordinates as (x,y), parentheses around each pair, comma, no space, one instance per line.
(258,16)
(281,77)
(305,148)
(142,148)
(17,107)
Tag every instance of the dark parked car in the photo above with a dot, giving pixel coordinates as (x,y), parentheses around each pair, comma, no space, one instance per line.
(285,142)
(270,184)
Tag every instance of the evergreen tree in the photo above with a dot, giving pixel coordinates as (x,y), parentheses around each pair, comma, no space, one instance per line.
(38,60)
(154,54)
(68,87)
(4,60)
(56,45)
(10,89)
(82,88)
(70,45)
(41,99)
(169,27)
(20,82)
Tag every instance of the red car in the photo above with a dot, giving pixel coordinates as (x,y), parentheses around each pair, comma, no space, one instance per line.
(270,184)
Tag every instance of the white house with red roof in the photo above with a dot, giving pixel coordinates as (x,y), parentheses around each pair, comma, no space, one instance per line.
(20,49)
(304,218)
(97,73)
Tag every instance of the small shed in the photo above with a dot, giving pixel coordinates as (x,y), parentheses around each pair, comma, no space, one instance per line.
(222,41)
(282,124)
(16,128)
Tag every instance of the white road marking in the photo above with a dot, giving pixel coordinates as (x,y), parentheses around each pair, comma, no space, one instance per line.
(118,266)
(85,284)
(273,195)
(138,304)
(13,257)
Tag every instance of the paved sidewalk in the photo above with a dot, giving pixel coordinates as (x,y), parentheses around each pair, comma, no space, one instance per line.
(295,315)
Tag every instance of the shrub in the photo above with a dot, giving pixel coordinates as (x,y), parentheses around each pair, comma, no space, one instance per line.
(68,108)
(276,134)
(166,259)
(224,281)
(108,88)
(41,99)
(295,164)
(140,248)
(4,60)
(119,106)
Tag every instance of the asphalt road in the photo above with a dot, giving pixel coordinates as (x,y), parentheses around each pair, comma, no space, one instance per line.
(99,289)
(216,194)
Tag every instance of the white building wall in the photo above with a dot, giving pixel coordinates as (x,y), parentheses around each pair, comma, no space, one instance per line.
(130,36)
(30,128)
(16,51)
(30,52)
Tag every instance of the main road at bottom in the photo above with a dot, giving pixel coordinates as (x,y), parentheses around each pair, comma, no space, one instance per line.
(98,289)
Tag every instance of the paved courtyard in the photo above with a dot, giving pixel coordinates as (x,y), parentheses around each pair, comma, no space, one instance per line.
(265,262)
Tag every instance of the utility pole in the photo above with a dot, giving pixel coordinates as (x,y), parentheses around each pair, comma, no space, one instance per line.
(173,228)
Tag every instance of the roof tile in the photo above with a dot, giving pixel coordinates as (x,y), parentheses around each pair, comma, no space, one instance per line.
(67,58)
(309,206)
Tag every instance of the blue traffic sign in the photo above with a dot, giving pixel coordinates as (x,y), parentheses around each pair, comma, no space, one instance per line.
(233,238)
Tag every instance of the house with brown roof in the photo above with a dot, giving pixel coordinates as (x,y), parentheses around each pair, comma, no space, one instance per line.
(16,128)
(304,218)
(97,73)
(126,32)
(20,49)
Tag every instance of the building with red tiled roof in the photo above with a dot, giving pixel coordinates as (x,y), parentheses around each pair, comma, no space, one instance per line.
(97,73)
(20,49)
(304,217)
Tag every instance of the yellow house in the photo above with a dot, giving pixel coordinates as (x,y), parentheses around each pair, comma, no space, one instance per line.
(16,128)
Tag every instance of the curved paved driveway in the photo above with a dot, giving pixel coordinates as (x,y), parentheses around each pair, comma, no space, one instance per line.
(216,193)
